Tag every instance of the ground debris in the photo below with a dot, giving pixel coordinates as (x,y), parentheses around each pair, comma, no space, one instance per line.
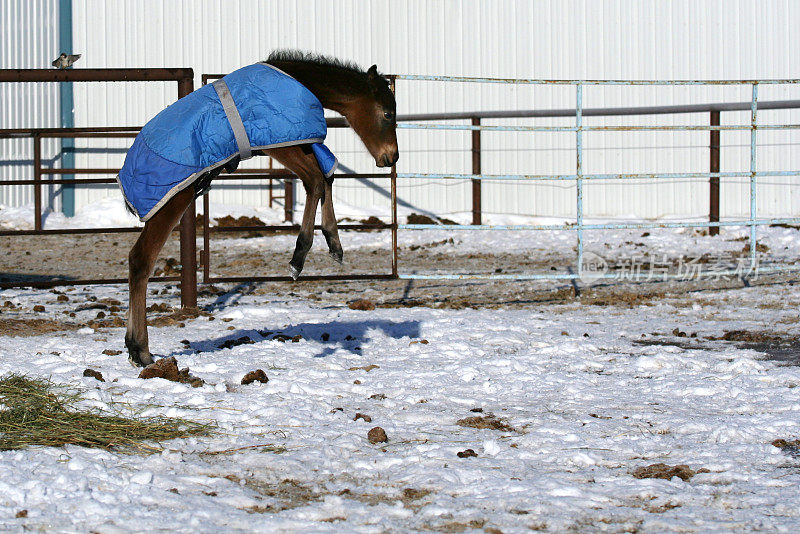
(255,376)
(171,267)
(167,368)
(39,412)
(33,327)
(469,453)
(489,421)
(366,368)
(111,322)
(416,218)
(457,526)
(285,495)
(112,352)
(413,494)
(792,445)
(176,317)
(160,307)
(365,417)
(377,435)
(361,305)
(94,374)
(760,247)
(229,344)
(283,338)
(666,472)
(753,337)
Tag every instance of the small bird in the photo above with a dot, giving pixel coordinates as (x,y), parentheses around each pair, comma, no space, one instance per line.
(65,60)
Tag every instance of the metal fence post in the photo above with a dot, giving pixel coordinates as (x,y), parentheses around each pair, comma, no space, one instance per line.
(37,177)
(188,233)
(579,174)
(205,260)
(288,199)
(476,169)
(753,205)
(393,180)
(713,181)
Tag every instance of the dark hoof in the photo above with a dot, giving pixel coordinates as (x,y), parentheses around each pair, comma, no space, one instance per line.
(136,354)
(295,271)
(337,255)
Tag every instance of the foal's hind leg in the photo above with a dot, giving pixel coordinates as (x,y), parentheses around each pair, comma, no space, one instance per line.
(305,238)
(141,260)
(329,228)
(301,160)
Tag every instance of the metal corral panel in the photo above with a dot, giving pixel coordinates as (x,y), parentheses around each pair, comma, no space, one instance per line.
(627,39)
(29,30)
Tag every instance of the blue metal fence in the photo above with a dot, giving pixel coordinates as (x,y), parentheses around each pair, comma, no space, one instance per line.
(753,267)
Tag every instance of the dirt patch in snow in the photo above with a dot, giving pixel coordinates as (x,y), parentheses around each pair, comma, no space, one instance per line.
(667,472)
(777,346)
(488,421)
(760,337)
(177,317)
(457,526)
(278,496)
(33,327)
(789,446)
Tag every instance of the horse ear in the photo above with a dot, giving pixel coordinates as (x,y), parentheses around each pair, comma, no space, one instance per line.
(373,73)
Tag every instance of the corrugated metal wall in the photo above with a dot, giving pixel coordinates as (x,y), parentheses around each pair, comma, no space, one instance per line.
(546,39)
(29,40)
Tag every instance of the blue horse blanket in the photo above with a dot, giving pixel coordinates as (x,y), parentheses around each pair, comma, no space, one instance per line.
(197,134)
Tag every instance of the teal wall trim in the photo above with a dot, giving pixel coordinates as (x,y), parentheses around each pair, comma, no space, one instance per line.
(67,105)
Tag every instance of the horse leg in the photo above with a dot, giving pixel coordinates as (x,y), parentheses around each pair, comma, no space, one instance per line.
(329,228)
(301,160)
(305,238)
(141,261)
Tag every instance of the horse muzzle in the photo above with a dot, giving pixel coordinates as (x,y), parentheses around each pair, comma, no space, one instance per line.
(387,160)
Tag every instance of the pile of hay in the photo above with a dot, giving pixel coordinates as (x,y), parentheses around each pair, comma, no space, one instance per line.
(38,412)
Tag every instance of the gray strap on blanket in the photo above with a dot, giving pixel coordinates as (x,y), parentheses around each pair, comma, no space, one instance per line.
(245,150)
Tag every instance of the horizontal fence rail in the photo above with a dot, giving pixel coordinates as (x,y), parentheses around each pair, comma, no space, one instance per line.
(540,81)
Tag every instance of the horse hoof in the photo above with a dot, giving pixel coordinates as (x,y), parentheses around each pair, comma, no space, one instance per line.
(295,271)
(337,256)
(139,360)
(137,355)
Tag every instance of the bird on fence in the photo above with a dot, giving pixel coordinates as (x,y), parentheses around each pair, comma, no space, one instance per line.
(65,60)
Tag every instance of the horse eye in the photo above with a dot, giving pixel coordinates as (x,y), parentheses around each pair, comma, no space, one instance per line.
(388,114)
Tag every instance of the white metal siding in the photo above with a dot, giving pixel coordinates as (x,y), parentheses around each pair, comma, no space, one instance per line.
(29,31)
(681,39)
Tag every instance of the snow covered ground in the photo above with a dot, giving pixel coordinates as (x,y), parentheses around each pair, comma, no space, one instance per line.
(587,394)
(577,397)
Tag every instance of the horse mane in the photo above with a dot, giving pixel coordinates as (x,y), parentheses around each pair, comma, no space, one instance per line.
(316,69)
(320,60)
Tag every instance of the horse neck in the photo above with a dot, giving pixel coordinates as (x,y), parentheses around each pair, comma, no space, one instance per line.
(335,88)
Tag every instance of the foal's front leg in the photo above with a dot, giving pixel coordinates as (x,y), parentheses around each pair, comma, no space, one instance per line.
(329,228)
(141,260)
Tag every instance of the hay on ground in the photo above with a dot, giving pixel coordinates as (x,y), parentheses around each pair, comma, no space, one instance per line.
(38,412)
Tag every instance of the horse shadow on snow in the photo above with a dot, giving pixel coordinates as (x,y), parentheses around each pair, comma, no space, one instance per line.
(347,335)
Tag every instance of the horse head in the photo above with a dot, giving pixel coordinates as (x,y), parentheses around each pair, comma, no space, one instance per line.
(374,119)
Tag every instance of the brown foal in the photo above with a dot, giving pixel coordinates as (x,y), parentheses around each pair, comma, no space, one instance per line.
(363,98)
